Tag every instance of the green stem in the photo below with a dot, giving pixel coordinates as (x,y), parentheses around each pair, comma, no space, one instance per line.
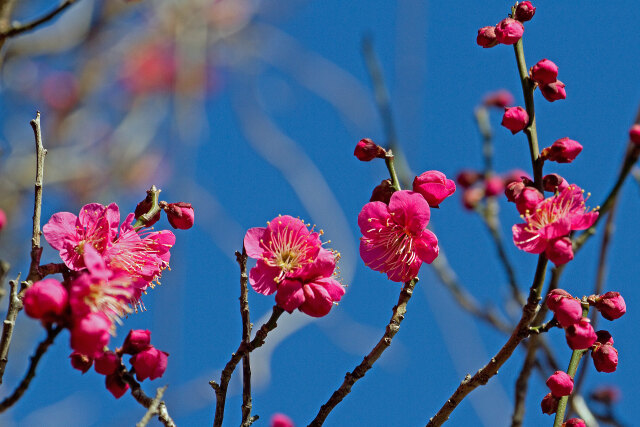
(152,195)
(388,160)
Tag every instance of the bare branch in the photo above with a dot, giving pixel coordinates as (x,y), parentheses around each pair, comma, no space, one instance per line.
(153,408)
(18,28)
(247,419)
(146,401)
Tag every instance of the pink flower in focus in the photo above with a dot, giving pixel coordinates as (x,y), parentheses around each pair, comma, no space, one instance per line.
(611,305)
(553,91)
(509,31)
(560,384)
(434,187)
(150,363)
(634,135)
(46,300)
(549,404)
(395,239)
(281,420)
(574,422)
(95,226)
(136,341)
(487,37)
(367,150)
(544,72)
(80,362)
(180,215)
(564,150)
(500,99)
(553,219)
(116,385)
(515,119)
(89,334)
(525,11)
(560,251)
(284,246)
(311,288)
(580,335)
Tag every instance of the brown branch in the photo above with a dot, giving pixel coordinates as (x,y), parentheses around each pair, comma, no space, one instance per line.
(36,249)
(140,396)
(520,332)
(244,348)
(18,28)
(153,408)
(4,270)
(15,305)
(42,348)
(351,377)
(247,419)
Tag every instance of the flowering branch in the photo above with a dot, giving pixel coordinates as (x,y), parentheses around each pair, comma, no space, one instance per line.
(17,28)
(576,355)
(367,363)
(520,332)
(42,348)
(244,348)
(153,408)
(140,396)
(247,419)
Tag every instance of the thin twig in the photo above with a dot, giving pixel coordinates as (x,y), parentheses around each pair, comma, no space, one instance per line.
(18,28)
(140,396)
(15,305)
(42,348)
(520,332)
(4,270)
(153,408)
(244,348)
(36,249)
(351,377)
(247,419)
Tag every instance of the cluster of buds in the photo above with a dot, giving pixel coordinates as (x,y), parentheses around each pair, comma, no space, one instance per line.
(477,186)
(560,384)
(545,75)
(509,30)
(146,362)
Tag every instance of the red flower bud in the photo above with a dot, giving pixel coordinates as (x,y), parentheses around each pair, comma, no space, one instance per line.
(564,150)
(560,384)
(606,394)
(555,297)
(150,363)
(605,357)
(568,310)
(560,251)
(553,91)
(554,183)
(544,72)
(46,300)
(549,404)
(487,37)
(515,119)
(80,361)
(367,150)
(180,215)
(611,305)
(509,31)
(137,340)
(382,192)
(634,136)
(574,422)
(525,11)
(434,187)
(107,363)
(528,199)
(604,337)
(515,175)
(116,385)
(580,335)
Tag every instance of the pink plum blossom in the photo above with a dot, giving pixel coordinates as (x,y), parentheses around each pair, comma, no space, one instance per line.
(311,288)
(107,363)
(81,362)
(150,363)
(611,305)
(554,183)
(367,150)
(574,422)
(434,187)
(382,192)
(116,385)
(467,178)
(605,357)
(395,239)
(568,310)
(136,341)
(281,420)
(284,246)
(553,219)
(580,335)
(500,99)
(549,404)
(89,334)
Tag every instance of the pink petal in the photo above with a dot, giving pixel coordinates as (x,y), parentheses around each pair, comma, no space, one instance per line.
(373,215)
(332,286)
(582,222)
(262,278)
(252,242)
(426,246)
(528,241)
(322,266)
(290,295)
(317,301)
(95,263)
(90,215)
(61,230)
(558,228)
(410,210)
(405,272)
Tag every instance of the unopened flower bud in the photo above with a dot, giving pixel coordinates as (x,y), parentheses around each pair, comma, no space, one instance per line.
(107,363)
(604,337)
(544,72)
(564,150)
(568,310)
(634,134)
(180,215)
(515,175)
(509,31)
(367,150)
(555,297)
(549,404)
(493,186)
(487,37)
(560,384)
(515,119)
(116,385)
(500,99)
(281,420)
(471,197)
(46,300)
(605,358)
(145,206)
(574,422)
(611,305)
(513,190)
(136,341)
(434,187)
(382,192)
(150,363)
(554,183)
(553,91)
(560,251)
(528,199)
(525,11)
(90,334)
(580,335)
(80,361)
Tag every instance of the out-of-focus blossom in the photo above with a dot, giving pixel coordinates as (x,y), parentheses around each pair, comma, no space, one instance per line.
(634,134)
(116,385)
(107,363)
(136,341)
(471,197)
(149,68)
(281,420)
(493,186)
(89,334)
(606,394)
(467,178)
(3,219)
(500,99)
(80,362)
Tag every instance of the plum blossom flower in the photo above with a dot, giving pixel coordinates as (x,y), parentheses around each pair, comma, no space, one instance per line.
(150,363)
(434,187)
(395,239)
(311,288)
(284,246)
(552,220)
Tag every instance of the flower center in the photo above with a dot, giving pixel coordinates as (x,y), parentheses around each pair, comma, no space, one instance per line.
(79,249)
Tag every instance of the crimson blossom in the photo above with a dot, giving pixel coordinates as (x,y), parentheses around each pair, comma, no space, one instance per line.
(548,226)
(395,239)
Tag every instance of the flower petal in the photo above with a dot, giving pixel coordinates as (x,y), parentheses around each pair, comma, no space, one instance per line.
(290,295)
(252,242)
(528,241)
(262,278)
(410,210)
